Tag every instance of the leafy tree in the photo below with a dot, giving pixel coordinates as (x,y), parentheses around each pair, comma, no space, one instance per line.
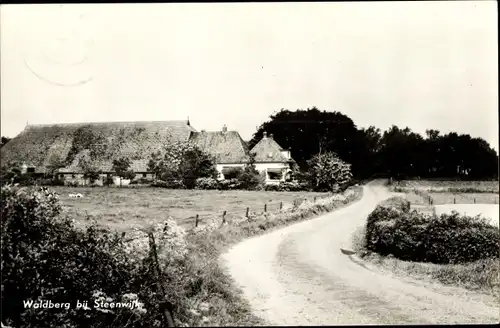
(122,167)
(4,141)
(182,162)
(196,164)
(55,162)
(328,171)
(311,131)
(250,177)
(89,168)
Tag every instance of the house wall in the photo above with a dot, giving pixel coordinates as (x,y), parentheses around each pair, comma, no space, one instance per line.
(264,166)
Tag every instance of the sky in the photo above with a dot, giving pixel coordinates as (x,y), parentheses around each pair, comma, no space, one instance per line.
(417,64)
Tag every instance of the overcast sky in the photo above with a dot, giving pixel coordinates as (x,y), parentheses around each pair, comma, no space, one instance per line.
(416,64)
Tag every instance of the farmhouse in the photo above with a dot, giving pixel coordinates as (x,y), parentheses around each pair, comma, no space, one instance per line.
(229,150)
(272,159)
(39,146)
(63,146)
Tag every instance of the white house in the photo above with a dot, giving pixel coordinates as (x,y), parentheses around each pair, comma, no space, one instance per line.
(230,152)
(272,159)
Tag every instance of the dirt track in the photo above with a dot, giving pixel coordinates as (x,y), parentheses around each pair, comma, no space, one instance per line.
(298,276)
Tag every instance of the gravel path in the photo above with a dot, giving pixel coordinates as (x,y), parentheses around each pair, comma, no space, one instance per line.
(298,276)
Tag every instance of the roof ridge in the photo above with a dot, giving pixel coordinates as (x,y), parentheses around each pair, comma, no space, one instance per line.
(106,122)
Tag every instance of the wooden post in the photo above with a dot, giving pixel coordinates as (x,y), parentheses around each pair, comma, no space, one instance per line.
(265,208)
(315,199)
(281,206)
(165,305)
(224,217)
(196,221)
(248,209)
(474,200)
(454,200)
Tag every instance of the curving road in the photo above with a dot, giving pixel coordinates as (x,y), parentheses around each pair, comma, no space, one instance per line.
(298,276)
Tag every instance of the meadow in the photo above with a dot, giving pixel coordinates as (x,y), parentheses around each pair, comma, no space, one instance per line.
(438,186)
(123,209)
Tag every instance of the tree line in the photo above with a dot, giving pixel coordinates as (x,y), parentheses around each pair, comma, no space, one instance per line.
(397,152)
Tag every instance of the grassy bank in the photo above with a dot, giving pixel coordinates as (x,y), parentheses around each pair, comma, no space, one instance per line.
(228,307)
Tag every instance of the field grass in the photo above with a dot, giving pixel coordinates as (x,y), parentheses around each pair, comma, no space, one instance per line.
(441,198)
(436,186)
(122,209)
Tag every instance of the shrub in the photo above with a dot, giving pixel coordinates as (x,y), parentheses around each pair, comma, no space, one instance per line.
(232,173)
(287,186)
(392,229)
(399,203)
(232,184)
(207,183)
(328,172)
(170,184)
(182,161)
(44,257)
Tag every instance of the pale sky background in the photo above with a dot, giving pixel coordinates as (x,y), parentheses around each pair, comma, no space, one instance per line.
(416,64)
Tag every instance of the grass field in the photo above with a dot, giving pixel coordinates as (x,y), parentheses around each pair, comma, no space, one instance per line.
(123,209)
(436,186)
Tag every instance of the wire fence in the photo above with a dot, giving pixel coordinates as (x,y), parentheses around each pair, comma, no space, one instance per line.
(247,212)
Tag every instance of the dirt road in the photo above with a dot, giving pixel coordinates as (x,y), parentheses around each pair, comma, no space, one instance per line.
(298,276)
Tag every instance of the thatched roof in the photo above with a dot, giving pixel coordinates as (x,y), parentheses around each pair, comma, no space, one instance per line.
(226,146)
(267,150)
(37,145)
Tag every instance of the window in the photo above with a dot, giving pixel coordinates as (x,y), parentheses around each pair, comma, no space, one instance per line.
(274,174)
(144,175)
(30,170)
(73,176)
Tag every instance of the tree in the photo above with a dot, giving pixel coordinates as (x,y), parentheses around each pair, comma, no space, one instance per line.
(311,131)
(89,168)
(55,162)
(4,141)
(196,164)
(249,177)
(121,166)
(328,171)
(184,162)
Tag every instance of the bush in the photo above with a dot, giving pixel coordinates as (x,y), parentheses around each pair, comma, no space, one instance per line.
(207,183)
(392,229)
(250,179)
(44,257)
(170,184)
(232,173)
(327,172)
(287,186)
(232,184)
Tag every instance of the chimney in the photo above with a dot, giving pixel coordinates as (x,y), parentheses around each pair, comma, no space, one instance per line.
(271,136)
(265,135)
(224,128)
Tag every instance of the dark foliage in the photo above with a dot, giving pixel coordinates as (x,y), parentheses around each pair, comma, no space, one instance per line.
(392,229)
(398,153)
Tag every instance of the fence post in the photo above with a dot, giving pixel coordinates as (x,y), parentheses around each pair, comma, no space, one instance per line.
(165,306)
(315,199)
(265,208)
(196,221)
(474,200)
(224,217)
(248,208)
(454,200)
(281,206)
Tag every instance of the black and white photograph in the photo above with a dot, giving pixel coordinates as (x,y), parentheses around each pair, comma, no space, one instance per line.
(249,164)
